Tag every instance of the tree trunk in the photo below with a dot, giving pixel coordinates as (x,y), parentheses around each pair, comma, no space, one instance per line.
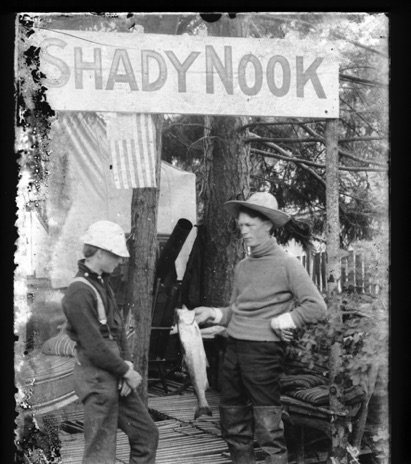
(227,177)
(143,245)
(338,425)
(143,241)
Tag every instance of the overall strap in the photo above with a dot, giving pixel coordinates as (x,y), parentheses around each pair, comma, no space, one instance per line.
(100,305)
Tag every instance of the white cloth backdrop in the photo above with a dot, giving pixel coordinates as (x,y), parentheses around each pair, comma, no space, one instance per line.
(90,193)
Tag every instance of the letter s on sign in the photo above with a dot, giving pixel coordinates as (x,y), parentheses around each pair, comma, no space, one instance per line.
(57,62)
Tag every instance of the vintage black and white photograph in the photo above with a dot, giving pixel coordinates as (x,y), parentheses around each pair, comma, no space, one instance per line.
(201,267)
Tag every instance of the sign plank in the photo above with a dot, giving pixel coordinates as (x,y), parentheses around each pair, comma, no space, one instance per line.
(153,73)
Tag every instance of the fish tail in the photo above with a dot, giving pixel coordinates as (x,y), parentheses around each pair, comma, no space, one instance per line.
(202,410)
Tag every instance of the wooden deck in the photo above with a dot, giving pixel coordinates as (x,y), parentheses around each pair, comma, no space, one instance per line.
(183,440)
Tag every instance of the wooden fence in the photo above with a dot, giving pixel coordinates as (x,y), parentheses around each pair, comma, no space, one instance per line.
(356,274)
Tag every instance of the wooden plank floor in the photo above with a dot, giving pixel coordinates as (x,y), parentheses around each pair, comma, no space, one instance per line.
(183,439)
(179,443)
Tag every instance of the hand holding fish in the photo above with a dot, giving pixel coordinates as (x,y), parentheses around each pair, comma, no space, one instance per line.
(204,314)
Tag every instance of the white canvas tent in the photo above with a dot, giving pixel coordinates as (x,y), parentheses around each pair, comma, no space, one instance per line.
(81,190)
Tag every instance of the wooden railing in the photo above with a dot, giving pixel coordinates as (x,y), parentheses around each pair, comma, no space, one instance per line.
(356,273)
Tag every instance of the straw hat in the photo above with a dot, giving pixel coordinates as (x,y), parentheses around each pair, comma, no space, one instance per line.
(264,203)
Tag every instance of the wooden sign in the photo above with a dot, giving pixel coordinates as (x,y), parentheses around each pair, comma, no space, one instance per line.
(150,73)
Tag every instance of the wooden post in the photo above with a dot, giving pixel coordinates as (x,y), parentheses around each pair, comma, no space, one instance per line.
(343,273)
(143,245)
(359,281)
(332,205)
(338,426)
(350,271)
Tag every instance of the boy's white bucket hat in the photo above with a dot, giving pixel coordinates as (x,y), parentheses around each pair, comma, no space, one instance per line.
(108,236)
(263,202)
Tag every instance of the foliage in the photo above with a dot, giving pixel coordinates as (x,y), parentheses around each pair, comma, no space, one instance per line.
(360,323)
(39,446)
(361,41)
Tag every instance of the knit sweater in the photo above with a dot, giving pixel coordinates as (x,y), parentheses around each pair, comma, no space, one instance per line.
(80,307)
(268,283)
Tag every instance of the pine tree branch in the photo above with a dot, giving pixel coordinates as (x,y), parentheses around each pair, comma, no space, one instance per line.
(313,139)
(357,80)
(279,181)
(358,44)
(359,115)
(288,158)
(282,123)
(341,152)
(174,124)
(301,161)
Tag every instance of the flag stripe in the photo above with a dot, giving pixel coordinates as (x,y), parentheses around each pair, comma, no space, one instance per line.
(131,162)
(127,170)
(151,141)
(122,163)
(139,178)
(132,145)
(142,149)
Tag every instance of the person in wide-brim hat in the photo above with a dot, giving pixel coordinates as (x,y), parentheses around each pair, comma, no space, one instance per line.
(264,203)
(272,295)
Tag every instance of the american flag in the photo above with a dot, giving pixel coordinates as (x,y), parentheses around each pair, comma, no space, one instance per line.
(133,149)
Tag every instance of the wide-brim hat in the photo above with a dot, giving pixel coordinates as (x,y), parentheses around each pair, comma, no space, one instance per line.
(264,203)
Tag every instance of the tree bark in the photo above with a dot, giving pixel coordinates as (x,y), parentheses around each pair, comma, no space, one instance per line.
(227,177)
(143,240)
(143,245)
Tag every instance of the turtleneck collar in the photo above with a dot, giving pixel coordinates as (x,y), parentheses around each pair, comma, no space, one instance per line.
(264,248)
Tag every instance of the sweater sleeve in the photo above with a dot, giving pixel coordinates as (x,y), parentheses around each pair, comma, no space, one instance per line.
(80,308)
(310,304)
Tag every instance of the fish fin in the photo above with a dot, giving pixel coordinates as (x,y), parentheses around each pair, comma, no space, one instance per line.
(203,410)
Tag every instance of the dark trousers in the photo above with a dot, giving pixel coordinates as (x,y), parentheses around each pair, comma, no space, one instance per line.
(251,372)
(250,402)
(105,410)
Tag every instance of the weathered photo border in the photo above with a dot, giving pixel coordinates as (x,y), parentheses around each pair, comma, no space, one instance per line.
(42,186)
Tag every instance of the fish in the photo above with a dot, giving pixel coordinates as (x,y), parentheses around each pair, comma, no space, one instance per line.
(194,357)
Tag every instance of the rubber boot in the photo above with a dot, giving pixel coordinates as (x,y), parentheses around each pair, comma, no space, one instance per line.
(269,431)
(237,430)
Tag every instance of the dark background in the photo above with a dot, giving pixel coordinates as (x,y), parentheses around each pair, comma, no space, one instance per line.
(400,180)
